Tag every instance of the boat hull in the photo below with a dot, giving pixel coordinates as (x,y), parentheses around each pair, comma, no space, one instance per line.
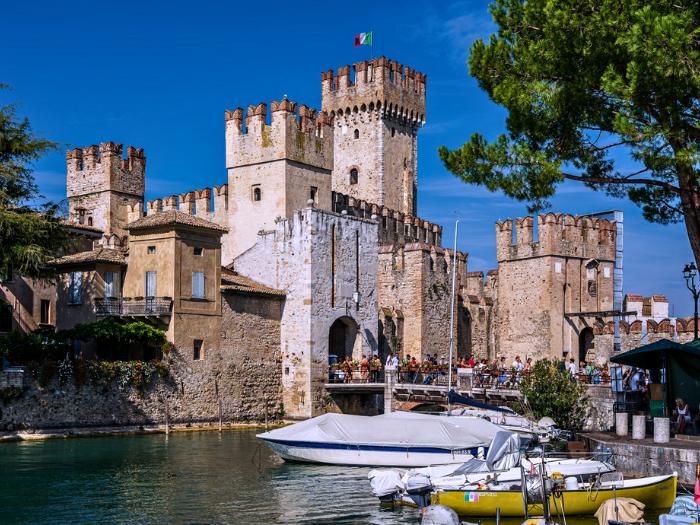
(659,493)
(367,455)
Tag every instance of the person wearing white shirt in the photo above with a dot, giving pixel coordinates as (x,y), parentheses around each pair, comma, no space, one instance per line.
(573,369)
(518,365)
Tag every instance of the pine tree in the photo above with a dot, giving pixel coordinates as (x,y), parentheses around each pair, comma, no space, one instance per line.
(30,234)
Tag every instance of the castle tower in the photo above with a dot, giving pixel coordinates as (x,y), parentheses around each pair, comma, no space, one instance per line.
(275,168)
(376,115)
(552,289)
(102,185)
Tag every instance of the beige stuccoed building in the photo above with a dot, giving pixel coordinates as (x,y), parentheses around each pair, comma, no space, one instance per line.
(311,248)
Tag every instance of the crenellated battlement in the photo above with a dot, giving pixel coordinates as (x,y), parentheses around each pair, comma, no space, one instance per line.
(208,203)
(295,132)
(562,234)
(99,168)
(395,227)
(380,85)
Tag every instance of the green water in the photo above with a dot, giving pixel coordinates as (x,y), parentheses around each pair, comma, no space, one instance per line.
(186,478)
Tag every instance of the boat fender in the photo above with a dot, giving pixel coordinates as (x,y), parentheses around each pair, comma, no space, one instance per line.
(439,515)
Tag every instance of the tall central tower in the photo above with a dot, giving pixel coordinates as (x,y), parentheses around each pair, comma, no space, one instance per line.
(376,113)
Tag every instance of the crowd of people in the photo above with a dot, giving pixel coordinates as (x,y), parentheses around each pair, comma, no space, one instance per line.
(484,373)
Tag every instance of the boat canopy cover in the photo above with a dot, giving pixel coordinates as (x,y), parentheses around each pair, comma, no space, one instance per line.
(454,397)
(398,429)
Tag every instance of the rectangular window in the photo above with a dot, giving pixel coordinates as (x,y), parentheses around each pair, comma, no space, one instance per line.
(312,193)
(198,251)
(75,287)
(45,309)
(198,285)
(109,284)
(197,349)
(151,250)
(150,285)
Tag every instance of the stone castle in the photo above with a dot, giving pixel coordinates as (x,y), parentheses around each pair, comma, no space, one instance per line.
(312,248)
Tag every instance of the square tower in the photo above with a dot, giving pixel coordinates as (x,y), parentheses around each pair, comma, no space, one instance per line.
(102,185)
(376,115)
(274,169)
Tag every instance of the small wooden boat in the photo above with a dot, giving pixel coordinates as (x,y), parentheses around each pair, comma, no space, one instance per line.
(657,492)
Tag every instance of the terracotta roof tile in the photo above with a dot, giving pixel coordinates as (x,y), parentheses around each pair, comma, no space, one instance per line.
(659,298)
(633,297)
(98,255)
(233,282)
(173,218)
(77,226)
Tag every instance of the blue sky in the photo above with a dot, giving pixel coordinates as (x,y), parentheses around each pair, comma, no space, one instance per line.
(159,76)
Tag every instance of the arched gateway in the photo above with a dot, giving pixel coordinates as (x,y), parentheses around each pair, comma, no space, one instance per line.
(342,337)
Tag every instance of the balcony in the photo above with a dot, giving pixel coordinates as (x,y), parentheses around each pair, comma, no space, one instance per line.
(134,307)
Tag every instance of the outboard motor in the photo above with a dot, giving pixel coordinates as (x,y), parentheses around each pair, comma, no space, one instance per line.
(439,515)
(418,488)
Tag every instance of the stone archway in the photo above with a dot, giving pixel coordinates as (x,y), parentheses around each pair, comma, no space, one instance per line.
(585,344)
(342,337)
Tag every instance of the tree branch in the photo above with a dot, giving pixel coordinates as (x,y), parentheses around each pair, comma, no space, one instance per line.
(616,180)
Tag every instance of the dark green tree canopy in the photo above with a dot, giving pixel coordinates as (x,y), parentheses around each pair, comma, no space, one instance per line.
(29,234)
(586,84)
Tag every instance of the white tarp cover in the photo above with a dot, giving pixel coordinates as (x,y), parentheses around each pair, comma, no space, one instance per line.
(416,430)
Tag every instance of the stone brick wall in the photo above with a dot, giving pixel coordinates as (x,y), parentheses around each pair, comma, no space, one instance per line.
(320,277)
(242,374)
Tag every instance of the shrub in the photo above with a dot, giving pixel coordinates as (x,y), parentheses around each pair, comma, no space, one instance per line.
(554,393)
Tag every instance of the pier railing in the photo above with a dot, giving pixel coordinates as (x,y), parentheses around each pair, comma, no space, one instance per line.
(437,376)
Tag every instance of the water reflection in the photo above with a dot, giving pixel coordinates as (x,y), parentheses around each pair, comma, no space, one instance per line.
(188,478)
(193,478)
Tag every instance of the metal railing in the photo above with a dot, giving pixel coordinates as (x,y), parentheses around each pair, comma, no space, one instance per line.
(156,306)
(12,377)
(437,376)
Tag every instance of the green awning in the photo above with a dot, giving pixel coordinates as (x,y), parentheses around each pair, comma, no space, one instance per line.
(652,355)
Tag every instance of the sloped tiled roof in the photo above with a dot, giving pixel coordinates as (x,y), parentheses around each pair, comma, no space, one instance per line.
(173,218)
(235,283)
(98,255)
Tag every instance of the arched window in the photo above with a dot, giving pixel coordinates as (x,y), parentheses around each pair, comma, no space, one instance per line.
(357,134)
(257,193)
(353,176)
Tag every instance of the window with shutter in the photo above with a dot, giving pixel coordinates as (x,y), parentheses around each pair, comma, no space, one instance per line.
(198,285)
(76,287)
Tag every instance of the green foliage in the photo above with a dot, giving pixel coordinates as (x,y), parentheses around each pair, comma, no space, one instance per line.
(586,83)
(109,330)
(19,347)
(29,235)
(40,345)
(555,393)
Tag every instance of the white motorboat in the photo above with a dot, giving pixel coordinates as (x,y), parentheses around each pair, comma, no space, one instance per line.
(503,466)
(393,439)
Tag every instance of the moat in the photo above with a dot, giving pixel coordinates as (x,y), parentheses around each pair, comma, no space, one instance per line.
(185,478)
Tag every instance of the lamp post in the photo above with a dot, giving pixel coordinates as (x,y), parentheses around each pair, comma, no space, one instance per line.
(689,272)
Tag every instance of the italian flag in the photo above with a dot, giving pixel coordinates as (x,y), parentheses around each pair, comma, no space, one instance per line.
(363,39)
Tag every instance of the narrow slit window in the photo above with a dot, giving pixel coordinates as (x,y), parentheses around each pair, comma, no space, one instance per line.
(45,311)
(197,349)
(257,194)
(354,176)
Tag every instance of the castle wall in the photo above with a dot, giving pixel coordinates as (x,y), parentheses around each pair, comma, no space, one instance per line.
(384,103)
(568,270)
(415,286)
(274,169)
(101,185)
(242,375)
(320,276)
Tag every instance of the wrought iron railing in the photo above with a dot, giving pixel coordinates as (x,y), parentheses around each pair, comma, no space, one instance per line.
(158,306)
